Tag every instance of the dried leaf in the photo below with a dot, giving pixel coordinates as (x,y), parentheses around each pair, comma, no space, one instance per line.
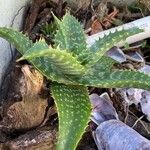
(96,27)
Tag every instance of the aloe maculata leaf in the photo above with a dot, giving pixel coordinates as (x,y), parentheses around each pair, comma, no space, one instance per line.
(117,79)
(74,110)
(70,36)
(61,60)
(56,65)
(101,46)
(19,40)
(59,36)
(105,64)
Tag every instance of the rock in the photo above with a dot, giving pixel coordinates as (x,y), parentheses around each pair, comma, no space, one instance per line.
(39,139)
(1,147)
(103,109)
(11,14)
(114,134)
(30,111)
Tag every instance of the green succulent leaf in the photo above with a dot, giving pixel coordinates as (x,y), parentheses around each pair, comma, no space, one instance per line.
(105,64)
(56,65)
(61,60)
(59,37)
(70,36)
(19,40)
(74,109)
(117,79)
(101,46)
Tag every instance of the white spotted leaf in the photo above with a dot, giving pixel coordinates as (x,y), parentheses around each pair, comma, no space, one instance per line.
(101,46)
(117,79)
(70,36)
(56,64)
(19,40)
(74,109)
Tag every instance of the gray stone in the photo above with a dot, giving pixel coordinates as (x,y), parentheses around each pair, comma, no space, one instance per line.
(12,15)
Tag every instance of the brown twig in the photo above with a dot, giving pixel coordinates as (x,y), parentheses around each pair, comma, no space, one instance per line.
(146,129)
(137,121)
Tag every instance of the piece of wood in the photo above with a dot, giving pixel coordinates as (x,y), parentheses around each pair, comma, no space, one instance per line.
(32,15)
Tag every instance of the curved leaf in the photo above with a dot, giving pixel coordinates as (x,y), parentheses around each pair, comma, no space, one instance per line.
(74,109)
(117,79)
(19,40)
(101,46)
(60,40)
(70,36)
(105,64)
(55,64)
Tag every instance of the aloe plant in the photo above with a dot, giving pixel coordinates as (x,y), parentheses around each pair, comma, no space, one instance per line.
(72,67)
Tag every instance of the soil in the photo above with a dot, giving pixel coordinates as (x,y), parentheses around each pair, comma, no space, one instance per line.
(20,125)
